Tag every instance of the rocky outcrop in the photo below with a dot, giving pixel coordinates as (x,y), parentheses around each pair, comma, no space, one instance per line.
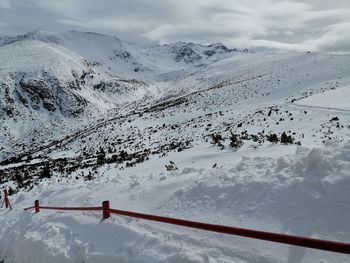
(42,92)
(184,52)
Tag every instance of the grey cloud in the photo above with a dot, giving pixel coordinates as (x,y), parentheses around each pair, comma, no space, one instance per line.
(293,24)
(4,4)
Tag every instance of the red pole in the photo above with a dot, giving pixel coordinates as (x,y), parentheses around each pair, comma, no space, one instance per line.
(105,210)
(6,199)
(36,206)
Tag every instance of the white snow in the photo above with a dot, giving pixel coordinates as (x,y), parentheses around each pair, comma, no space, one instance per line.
(293,189)
(33,56)
(303,193)
(337,99)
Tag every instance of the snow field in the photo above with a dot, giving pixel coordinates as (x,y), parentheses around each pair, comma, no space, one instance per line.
(337,99)
(303,193)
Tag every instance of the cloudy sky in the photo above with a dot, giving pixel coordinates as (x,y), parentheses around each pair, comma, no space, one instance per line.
(318,25)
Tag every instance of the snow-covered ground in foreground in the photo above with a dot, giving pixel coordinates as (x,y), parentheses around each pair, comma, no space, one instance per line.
(332,99)
(298,190)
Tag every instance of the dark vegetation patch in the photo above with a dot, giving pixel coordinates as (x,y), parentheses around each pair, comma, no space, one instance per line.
(236,140)
(25,176)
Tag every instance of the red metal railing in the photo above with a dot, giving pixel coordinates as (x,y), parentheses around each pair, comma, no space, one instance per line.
(327,245)
(6,200)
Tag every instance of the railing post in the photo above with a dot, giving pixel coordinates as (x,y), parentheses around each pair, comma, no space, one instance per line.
(6,200)
(105,210)
(36,206)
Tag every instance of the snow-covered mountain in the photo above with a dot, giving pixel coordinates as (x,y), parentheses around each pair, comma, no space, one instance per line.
(67,79)
(226,135)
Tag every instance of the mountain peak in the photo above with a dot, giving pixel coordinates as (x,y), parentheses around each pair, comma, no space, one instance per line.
(88,34)
(218,46)
(183,51)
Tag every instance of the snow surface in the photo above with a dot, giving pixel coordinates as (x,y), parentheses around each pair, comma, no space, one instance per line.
(156,96)
(304,192)
(338,99)
(19,56)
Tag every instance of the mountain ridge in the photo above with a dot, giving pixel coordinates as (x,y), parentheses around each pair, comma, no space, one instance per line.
(68,80)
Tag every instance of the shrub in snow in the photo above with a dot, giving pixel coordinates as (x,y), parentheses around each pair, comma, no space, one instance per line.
(46,172)
(286,139)
(235,141)
(100,159)
(216,138)
(335,119)
(245,135)
(171,166)
(272,138)
(254,137)
(11,191)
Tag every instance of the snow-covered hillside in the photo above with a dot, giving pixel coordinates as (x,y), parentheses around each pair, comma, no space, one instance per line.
(68,80)
(336,99)
(222,135)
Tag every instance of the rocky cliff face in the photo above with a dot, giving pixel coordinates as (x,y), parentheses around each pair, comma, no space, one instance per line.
(44,92)
(193,53)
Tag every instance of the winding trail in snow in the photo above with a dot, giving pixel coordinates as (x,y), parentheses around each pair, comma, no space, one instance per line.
(319,107)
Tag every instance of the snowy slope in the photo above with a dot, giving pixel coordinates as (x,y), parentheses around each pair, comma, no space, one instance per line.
(56,76)
(181,130)
(332,99)
(303,192)
(44,84)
